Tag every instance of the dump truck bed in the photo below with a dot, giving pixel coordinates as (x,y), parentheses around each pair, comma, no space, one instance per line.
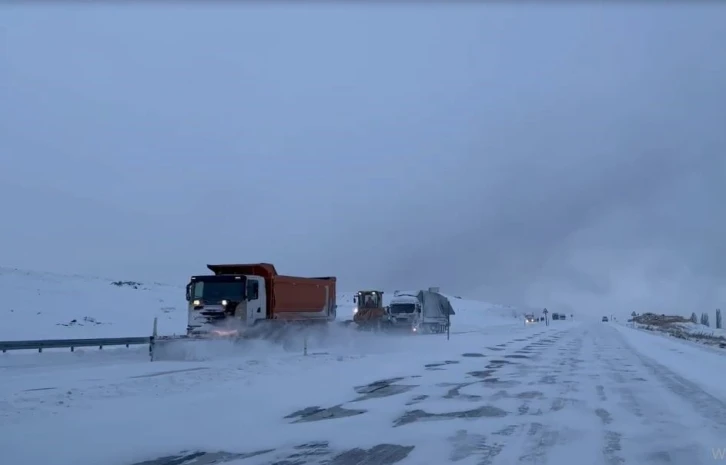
(288,297)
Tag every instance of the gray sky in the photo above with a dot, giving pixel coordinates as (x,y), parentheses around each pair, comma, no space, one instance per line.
(570,155)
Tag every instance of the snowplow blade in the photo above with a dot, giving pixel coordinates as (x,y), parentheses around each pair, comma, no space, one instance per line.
(193,348)
(261,341)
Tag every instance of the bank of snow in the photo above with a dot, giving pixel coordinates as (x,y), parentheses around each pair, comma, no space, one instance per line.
(680,327)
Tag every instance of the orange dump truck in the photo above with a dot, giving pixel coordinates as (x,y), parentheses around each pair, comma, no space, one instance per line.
(239,296)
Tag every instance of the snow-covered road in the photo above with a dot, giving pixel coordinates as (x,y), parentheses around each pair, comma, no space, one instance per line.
(569,393)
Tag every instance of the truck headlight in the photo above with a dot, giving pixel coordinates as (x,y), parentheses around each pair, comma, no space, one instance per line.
(355,310)
(197,303)
(224,302)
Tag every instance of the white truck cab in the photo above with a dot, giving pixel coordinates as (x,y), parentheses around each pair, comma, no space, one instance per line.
(405,309)
(224,303)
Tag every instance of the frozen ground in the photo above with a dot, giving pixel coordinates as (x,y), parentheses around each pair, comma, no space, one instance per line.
(570,393)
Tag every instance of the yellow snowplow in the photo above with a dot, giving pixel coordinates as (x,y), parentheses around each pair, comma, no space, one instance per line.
(369,312)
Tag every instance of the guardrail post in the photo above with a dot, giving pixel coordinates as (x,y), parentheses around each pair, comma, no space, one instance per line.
(305,344)
(152,340)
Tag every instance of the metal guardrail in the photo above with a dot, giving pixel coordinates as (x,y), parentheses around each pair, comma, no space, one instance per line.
(73,343)
(41,344)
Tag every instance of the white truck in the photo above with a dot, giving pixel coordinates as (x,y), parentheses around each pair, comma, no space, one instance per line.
(420,312)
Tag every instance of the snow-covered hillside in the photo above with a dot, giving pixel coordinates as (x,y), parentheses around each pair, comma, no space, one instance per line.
(39,305)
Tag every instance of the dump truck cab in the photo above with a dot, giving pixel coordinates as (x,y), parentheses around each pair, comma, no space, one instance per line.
(226,297)
(238,296)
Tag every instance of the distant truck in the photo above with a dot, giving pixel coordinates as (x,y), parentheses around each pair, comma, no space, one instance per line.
(421,312)
(529,318)
(555,316)
(239,296)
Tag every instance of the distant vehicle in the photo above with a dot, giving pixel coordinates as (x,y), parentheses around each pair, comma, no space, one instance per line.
(555,316)
(529,318)
(605,319)
(563,317)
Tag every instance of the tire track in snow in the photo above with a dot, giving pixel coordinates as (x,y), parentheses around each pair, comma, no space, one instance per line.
(663,413)
(556,361)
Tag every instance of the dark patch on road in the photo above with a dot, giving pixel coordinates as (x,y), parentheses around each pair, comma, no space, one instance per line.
(305,452)
(548,379)
(170,372)
(318,413)
(612,447)
(382,454)
(481,373)
(310,453)
(498,383)
(561,402)
(201,458)
(472,354)
(543,438)
(604,416)
(516,356)
(39,389)
(382,388)
(506,431)
(465,445)
(455,392)
(433,366)
(496,349)
(500,362)
(413,416)
(417,399)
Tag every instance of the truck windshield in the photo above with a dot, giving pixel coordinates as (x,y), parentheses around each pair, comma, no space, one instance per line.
(403,308)
(212,291)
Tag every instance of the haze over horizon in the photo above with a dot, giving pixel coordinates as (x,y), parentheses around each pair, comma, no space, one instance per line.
(561,155)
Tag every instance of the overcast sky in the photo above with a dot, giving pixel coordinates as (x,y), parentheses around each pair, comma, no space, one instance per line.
(567,155)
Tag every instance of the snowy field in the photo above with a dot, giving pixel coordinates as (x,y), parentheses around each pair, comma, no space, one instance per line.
(38,305)
(498,392)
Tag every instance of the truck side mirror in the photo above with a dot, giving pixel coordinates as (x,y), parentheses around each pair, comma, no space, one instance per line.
(189,292)
(355,299)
